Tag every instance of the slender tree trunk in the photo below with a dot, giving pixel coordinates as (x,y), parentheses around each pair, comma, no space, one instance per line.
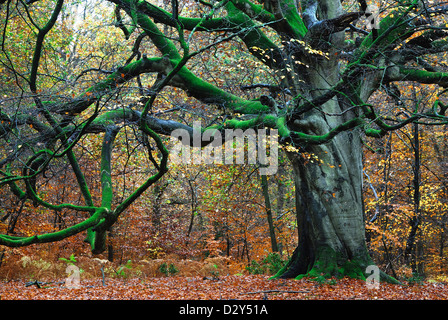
(193,207)
(267,202)
(156,216)
(11,226)
(414,221)
(442,245)
(110,246)
(387,207)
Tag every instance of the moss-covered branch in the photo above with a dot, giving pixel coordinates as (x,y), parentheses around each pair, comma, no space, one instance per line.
(91,222)
(160,15)
(163,168)
(421,76)
(35,165)
(106,175)
(254,11)
(106,86)
(39,44)
(97,236)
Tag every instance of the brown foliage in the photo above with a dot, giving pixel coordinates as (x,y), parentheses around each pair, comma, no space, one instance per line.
(226,287)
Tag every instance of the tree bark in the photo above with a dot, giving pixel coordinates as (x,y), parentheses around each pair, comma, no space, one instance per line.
(329,210)
(414,221)
(267,203)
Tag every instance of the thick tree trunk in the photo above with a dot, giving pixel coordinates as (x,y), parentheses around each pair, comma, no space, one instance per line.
(329,210)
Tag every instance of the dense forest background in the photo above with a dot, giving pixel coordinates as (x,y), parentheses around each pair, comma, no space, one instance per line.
(214,213)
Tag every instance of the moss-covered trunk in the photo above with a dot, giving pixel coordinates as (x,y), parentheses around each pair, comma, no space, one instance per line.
(329,210)
(328,180)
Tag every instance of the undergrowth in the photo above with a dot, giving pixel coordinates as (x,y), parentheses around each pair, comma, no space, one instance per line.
(32,268)
(37,268)
(271,264)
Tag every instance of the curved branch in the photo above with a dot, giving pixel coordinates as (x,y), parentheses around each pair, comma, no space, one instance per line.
(161,16)
(39,44)
(91,222)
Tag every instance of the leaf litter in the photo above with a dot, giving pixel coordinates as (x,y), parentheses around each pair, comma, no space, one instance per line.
(232,287)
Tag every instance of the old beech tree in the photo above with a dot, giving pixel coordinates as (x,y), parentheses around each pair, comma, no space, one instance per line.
(329,57)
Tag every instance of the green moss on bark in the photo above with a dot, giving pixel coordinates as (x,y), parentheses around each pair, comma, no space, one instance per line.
(330,263)
(424,76)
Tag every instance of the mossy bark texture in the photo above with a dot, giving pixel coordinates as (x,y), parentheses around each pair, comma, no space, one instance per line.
(328,180)
(329,210)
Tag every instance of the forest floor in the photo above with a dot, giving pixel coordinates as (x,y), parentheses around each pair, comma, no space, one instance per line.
(233,287)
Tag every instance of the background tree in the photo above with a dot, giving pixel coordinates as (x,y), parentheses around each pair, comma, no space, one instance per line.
(322,66)
(405,219)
